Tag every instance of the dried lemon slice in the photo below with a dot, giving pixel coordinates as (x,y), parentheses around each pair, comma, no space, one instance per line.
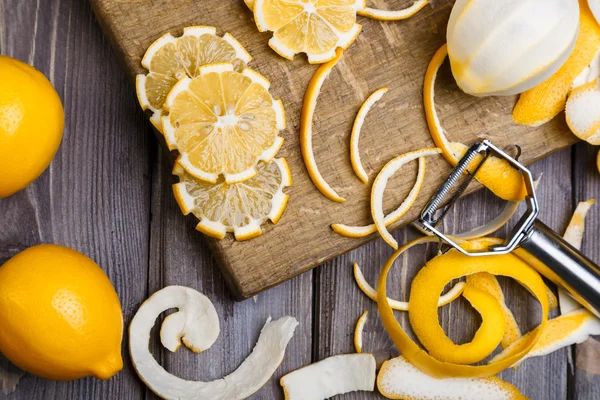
(169,59)
(314,27)
(240,207)
(223,122)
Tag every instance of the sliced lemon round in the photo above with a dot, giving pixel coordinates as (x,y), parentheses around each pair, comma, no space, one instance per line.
(169,59)
(240,208)
(314,27)
(223,122)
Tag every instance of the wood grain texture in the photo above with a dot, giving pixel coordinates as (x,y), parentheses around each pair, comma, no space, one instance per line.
(95,195)
(385,54)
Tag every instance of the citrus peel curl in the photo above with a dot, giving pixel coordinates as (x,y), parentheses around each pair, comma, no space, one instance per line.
(306,131)
(356,128)
(371,293)
(393,15)
(496,174)
(196,324)
(362,231)
(358,331)
(379,187)
(434,276)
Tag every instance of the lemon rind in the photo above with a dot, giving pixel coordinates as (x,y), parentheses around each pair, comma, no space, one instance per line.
(358,331)
(366,230)
(363,111)
(393,15)
(380,183)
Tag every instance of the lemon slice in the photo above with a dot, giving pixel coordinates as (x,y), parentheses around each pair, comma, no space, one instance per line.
(358,331)
(223,122)
(358,123)
(169,59)
(240,207)
(393,15)
(314,27)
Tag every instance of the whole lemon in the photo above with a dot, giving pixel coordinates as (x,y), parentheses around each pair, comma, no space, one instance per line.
(60,317)
(31,124)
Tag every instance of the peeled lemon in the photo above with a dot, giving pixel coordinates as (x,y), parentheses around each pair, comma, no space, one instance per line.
(507,47)
(31,124)
(60,317)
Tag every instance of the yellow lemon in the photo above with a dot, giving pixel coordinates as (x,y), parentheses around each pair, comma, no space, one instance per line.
(31,124)
(60,316)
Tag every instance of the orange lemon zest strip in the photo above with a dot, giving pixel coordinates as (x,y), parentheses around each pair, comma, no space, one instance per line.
(371,293)
(488,283)
(362,231)
(306,120)
(434,276)
(379,187)
(542,103)
(496,174)
(358,123)
(358,331)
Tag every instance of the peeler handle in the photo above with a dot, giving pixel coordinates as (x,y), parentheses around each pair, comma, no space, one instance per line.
(560,262)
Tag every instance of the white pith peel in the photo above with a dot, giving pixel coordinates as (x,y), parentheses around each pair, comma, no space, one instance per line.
(331,376)
(507,47)
(583,112)
(399,379)
(197,325)
(574,236)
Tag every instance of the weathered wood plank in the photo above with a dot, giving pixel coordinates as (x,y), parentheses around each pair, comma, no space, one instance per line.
(95,195)
(586,181)
(340,302)
(179,256)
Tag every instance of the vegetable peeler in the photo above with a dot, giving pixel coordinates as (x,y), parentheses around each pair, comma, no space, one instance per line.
(544,249)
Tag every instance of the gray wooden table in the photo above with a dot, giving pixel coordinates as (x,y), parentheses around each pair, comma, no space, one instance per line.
(107,193)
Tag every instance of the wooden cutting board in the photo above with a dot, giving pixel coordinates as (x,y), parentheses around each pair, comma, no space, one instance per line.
(391,54)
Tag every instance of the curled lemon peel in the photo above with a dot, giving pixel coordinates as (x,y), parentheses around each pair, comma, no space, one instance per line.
(432,337)
(306,122)
(380,184)
(356,128)
(362,231)
(451,295)
(488,283)
(496,174)
(358,331)
(542,103)
(435,275)
(393,15)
